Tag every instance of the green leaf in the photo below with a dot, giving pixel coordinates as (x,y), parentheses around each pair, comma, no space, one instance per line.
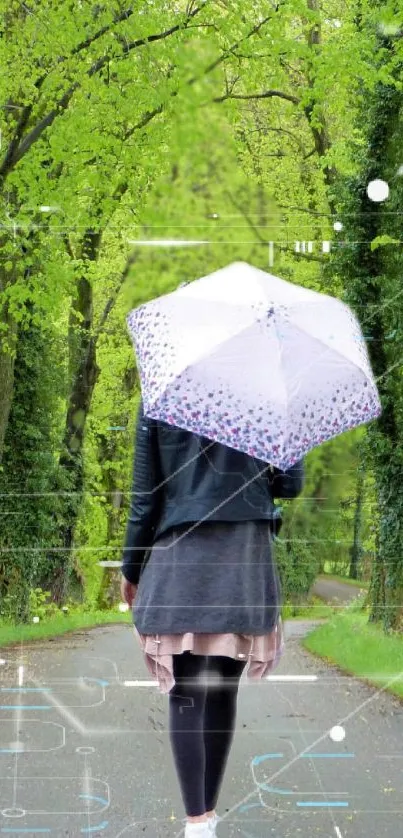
(381,241)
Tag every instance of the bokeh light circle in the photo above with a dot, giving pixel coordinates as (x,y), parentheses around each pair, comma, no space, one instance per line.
(378,190)
(337,733)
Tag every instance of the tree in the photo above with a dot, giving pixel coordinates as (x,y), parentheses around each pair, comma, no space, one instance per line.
(27,477)
(56,105)
(135,117)
(372,268)
(55,108)
(70,129)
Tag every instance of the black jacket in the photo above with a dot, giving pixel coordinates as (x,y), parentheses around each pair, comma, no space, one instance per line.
(180,478)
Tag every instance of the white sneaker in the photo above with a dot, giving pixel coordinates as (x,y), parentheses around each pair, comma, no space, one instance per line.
(198,830)
(212,822)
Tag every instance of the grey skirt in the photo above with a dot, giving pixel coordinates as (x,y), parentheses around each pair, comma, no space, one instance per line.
(215,577)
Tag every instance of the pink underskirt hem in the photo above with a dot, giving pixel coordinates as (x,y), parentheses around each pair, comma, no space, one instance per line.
(263,652)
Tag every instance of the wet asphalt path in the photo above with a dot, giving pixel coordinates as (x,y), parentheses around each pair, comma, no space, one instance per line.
(84,753)
(330,590)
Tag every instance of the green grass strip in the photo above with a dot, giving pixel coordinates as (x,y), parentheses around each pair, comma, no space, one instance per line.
(360,649)
(59,625)
(314,609)
(75,620)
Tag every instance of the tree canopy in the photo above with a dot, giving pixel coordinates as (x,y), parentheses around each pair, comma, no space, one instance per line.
(245,126)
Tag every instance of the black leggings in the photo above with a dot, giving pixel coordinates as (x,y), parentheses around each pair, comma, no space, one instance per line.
(202,712)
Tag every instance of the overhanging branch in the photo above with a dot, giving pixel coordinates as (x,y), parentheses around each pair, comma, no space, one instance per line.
(105,29)
(18,151)
(230,51)
(268,94)
(115,293)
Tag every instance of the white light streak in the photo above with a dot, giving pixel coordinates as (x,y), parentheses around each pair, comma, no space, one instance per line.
(166,242)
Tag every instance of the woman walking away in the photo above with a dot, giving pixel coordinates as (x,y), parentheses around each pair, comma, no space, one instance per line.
(198,564)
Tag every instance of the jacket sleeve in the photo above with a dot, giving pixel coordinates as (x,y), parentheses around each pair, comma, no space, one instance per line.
(287,484)
(145,505)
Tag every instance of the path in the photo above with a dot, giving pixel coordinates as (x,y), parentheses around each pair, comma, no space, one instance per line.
(84,752)
(331,589)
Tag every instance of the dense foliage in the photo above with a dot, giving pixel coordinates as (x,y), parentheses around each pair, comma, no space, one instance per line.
(237,124)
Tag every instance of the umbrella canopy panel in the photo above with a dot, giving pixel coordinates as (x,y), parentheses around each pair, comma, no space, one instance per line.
(254,362)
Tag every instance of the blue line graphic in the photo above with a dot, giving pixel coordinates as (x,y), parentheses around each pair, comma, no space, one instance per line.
(25,690)
(25,707)
(250,806)
(100,681)
(102,825)
(31,829)
(273,790)
(258,760)
(323,803)
(92,797)
(287,793)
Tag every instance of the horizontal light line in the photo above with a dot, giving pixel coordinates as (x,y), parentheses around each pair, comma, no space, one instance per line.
(291,678)
(283,678)
(25,707)
(323,804)
(166,242)
(25,690)
(333,756)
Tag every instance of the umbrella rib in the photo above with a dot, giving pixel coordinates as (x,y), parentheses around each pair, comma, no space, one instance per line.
(332,349)
(210,351)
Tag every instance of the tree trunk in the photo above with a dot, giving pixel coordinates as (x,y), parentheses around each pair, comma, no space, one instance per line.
(84,374)
(356,549)
(318,125)
(377,592)
(110,450)
(72,464)
(110,584)
(7,362)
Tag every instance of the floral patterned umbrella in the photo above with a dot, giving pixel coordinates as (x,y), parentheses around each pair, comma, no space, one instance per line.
(254,362)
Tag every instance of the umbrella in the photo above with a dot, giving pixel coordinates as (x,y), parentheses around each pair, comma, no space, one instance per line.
(254,362)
